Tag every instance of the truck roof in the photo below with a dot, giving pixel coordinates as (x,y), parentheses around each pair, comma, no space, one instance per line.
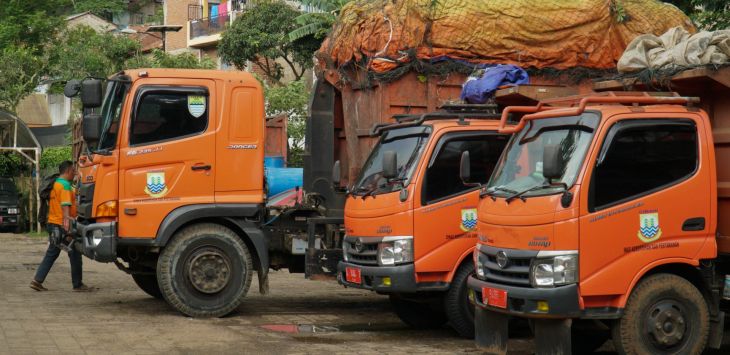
(234,75)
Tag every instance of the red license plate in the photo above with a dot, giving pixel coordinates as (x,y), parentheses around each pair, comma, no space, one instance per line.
(352,274)
(494,297)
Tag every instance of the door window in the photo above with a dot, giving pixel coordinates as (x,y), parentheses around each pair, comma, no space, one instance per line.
(163,115)
(642,156)
(442,177)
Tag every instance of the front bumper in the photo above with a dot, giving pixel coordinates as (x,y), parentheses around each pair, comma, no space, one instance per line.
(522,301)
(98,241)
(9,220)
(402,277)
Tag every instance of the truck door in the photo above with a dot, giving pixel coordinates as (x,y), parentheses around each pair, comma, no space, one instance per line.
(446,218)
(644,201)
(167,159)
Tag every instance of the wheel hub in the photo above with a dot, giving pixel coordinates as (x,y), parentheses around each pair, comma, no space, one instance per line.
(209,270)
(666,324)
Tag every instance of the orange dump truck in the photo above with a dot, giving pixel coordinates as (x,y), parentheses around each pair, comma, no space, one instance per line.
(410,221)
(607,216)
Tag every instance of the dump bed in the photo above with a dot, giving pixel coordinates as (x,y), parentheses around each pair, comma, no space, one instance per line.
(712,86)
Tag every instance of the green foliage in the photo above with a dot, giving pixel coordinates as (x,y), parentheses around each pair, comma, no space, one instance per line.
(292,100)
(260,35)
(10,164)
(103,8)
(83,52)
(317,24)
(30,24)
(52,157)
(160,59)
(708,15)
(21,70)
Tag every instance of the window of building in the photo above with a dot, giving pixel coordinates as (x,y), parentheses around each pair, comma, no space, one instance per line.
(442,177)
(641,156)
(165,115)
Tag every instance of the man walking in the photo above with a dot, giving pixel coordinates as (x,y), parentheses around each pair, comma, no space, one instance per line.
(61,212)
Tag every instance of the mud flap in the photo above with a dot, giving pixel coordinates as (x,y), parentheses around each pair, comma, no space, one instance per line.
(552,336)
(717,330)
(491,331)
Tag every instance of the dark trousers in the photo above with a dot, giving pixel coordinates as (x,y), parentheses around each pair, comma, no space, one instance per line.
(52,254)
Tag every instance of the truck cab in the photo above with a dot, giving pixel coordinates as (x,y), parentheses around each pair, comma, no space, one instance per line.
(410,221)
(600,221)
(171,188)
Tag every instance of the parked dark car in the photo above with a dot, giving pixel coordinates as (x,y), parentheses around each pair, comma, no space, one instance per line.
(9,205)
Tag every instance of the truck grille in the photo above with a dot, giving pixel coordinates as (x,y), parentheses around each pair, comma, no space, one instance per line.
(517,270)
(361,251)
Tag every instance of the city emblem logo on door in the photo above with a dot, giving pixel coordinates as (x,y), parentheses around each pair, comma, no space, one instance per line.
(156,184)
(196,105)
(649,230)
(468,219)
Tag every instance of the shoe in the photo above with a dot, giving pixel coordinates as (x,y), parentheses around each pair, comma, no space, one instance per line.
(37,286)
(84,288)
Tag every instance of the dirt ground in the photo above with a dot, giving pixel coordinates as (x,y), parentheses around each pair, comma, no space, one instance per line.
(299,316)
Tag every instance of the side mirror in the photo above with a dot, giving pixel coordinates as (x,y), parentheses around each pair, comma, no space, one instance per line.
(465,167)
(91,93)
(72,88)
(336,174)
(91,128)
(390,164)
(553,165)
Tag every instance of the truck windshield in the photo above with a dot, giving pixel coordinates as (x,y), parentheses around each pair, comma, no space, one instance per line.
(111,113)
(520,168)
(408,144)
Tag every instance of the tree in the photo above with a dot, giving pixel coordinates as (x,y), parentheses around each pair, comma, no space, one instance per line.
(318,23)
(706,14)
(291,100)
(21,70)
(260,35)
(30,24)
(160,59)
(102,8)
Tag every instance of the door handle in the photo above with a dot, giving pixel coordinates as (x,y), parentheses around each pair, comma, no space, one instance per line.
(200,167)
(694,224)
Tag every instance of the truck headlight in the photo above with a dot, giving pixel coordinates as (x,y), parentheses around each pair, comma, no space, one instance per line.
(395,252)
(555,271)
(344,250)
(13,210)
(478,265)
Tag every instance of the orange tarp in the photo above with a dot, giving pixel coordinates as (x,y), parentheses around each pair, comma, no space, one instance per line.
(558,34)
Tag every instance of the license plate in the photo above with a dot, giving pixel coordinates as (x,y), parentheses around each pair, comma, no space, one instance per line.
(494,297)
(352,274)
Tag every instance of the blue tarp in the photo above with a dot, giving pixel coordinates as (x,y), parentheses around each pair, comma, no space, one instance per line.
(478,91)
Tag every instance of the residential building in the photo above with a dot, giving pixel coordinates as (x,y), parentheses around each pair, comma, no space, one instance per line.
(204,21)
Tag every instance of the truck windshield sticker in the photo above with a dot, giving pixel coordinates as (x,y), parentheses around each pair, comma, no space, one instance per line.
(196,105)
(156,184)
(468,219)
(649,230)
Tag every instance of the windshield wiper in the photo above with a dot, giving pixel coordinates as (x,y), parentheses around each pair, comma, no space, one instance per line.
(491,192)
(534,188)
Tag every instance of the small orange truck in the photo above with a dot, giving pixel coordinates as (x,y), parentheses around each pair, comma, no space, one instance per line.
(607,216)
(410,221)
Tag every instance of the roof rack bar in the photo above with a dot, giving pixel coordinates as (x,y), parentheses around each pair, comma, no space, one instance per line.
(597,99)
(418,120)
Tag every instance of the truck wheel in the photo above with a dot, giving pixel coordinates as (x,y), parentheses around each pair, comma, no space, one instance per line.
(148,284)
(205,271)
(664,314)
(418,315)
(456,303)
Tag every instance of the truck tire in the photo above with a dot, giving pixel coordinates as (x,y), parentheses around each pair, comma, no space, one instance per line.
(665,314)
(205,271)
(418,315)
(148,284)
(459,309)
